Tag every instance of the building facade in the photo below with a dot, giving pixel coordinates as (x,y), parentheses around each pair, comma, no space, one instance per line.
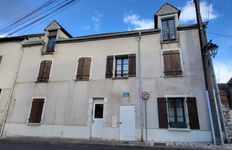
(91,86)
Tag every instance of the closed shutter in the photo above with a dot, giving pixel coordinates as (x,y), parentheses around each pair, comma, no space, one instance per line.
(176,65)
(36,111)
(193,113)
(172,65)
(41,70)
(0,59)
(167,63)
(86,68)
(162,112)
(109,66)
(47,69)
(132,65)
(80,68)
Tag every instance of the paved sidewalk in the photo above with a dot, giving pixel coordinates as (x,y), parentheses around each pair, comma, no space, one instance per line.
(148,145)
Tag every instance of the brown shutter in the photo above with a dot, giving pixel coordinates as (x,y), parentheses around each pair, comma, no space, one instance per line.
(41,70)
(80,68)
(0,59)
(36,111)
(167,63)
(162,110)
(86,68)
(176,65)
(132,65)
(193,113)
(109,66)
(47,68)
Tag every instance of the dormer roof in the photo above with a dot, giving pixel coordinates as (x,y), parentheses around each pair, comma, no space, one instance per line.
(230,81)
(54,25)
(167,9)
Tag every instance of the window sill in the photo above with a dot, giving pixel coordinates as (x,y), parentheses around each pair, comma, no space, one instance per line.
(81,80)
(41,81)
(179,129)
(34,124)
(173,76)
(120,78)
(48,53)
(169,41)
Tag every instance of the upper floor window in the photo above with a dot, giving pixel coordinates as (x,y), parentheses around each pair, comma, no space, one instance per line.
(83,70)
(121,69)
(51,44)
(0,59)
(172,63)
(168,29)
(44,71)
(125,66)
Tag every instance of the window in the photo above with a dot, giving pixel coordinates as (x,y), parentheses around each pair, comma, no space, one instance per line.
(51,44)
(121,69)
(172,112)
(0,59)
(98,113)
(172,65)
(168,29)
(83,70)
(0,91)
(125,66)
(44,71)
(36,110)
(176,113)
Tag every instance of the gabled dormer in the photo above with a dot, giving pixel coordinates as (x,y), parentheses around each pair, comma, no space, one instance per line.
(53,32)
(167,19)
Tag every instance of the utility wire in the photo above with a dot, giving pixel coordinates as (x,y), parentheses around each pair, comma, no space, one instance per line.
(44,16)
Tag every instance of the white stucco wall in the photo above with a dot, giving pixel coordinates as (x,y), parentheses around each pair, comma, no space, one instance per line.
(67,101)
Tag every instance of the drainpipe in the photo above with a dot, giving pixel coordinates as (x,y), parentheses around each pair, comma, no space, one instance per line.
(11,93)
(140,89)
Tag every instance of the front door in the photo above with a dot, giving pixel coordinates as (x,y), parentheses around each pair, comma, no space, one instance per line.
(97,122)
(127,123)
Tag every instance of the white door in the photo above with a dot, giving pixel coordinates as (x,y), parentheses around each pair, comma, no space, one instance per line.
(97,122)
(127,123)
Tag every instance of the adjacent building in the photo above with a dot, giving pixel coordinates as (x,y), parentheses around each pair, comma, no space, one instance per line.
(91,86)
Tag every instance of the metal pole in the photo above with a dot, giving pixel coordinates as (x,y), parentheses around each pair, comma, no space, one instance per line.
(140,89)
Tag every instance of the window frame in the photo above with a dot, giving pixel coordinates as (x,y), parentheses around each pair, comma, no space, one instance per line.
(53,44)
(43,111)
(168,32)
(122,75)
(184,112)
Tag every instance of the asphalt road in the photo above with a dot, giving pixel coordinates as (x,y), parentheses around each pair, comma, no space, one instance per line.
(9,145)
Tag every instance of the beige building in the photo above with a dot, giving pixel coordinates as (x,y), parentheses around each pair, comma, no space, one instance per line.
(90,86)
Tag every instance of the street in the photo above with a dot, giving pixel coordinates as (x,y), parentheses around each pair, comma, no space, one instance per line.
(9,145)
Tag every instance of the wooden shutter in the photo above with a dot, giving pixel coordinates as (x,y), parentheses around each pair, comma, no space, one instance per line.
(80,68)
(132,65)
(86,68)
(41,69)
(109,66)
(162,112)
(175,61)
(47,68)
(36,111)
(0,59)
(193,113)
(167,63)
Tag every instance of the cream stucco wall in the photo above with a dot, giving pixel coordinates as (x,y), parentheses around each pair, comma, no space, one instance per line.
(67,104)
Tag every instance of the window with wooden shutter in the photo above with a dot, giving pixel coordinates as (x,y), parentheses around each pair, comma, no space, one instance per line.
(83,70)
(172,64)
(132,65)
(109,66)
(162,112)
(44,71)
(0,59)
(193,113)
(36,110)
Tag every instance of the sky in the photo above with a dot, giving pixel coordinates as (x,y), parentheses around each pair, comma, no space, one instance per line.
(105,16)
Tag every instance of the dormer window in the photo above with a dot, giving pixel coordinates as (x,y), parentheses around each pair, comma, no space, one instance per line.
(168,29)
(51,44)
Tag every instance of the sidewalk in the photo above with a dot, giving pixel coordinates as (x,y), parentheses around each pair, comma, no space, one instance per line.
(68,141)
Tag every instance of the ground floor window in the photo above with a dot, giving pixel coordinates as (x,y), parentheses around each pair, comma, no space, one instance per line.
(36,110)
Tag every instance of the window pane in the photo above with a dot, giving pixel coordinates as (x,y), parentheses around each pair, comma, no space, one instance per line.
(119,61)
(98,111)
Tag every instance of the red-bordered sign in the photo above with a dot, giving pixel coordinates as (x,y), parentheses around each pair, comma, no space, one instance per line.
(145,96)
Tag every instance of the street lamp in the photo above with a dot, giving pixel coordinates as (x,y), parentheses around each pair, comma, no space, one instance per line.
(211,48)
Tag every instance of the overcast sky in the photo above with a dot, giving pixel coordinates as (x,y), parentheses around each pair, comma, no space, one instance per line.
(103,16)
